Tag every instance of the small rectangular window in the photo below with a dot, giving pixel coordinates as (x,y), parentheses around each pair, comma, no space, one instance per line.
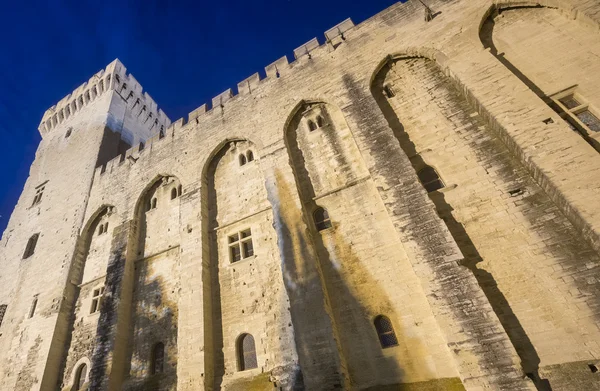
(570,102)
(97,296)
(39,192)
(590,120)
(240,246)
(576,111)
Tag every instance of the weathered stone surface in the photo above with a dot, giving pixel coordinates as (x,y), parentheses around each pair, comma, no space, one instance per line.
(143,273)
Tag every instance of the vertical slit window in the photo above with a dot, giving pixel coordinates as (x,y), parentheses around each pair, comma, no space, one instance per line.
(33,306)
(2,312)
(31,244)
(158,358)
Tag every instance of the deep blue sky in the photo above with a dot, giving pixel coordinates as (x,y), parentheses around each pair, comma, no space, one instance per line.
(183,53)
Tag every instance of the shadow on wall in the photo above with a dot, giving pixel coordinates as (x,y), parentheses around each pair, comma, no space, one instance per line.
(529,358)
(486,35)
(154,322)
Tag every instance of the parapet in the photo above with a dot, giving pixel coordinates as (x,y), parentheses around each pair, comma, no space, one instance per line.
(113,78)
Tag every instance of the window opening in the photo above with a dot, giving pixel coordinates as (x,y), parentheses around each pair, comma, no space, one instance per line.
(430,179)
(179,191)
(158,358)
(385,331)
(320,122)
(39,192)
(2,312)
(30,248)
(242,159)
(154,203)
(575,110)
(33,305)
(241,246)
(80,377)
(321,219)
(97,297)
(247,353)
(311,125)
(250,156)
(68,134)
(173,193)
(100,229)
(388,91)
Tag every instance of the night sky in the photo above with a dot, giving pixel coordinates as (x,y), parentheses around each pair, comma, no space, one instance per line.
(182,53)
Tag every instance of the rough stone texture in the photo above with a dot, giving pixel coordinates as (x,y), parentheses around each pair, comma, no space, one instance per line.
(491,282)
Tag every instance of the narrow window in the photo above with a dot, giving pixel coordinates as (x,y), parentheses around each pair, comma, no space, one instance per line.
(311,125)
(321,218)
(100,229)
(80,376)
(320,122)
(430,179)
(2,312)
(388,91)
(157,362)
(247,352)
(68,134)
(30,248)
(106,227)
(154,203)
(80,101)
(250,156)
(87,96)
(179,191)
(141,148)
(97,296)
(101,84)
(241,246)
(385,331)
(39,192)
(242,159)
(33,305)
(161,135)
(173,193)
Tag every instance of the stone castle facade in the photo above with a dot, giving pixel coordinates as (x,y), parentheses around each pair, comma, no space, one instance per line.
(411,205)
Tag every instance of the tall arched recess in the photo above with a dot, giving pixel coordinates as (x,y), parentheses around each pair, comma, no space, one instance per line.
(497,214)
(242,283)
(154,303)
(88,274)
(361,265)
(555,55)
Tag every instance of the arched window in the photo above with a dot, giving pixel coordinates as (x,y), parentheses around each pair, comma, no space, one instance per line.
(247,352)
(100,229)
(242,159)
(311,125)
(430,179)
(30,248)
(320,122)
(321,218)
(250,156)
(179,191)
(80,376)
(385,331)
(173,193)
(157,362)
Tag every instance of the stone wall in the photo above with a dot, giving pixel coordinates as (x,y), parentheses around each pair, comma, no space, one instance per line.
(488,282)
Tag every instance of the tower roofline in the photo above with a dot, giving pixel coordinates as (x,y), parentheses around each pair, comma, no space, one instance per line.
(113,77)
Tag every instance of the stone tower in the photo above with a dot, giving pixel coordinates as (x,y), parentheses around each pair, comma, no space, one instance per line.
(411,204)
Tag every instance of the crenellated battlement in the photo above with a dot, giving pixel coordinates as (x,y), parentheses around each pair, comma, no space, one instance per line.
(278,69)
(113,78)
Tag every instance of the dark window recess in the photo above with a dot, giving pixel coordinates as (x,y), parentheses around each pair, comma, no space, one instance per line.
(39,192)
(388,91)
(2,312)
(311,125)
(593,368)
(153,204)
(590,120)
(242,159)
(33,306)
(320,122)
(240,246)
(247,352)
(173,193)
(321,218)
(179,191)
(158,358)
(570,102)
(68,134)
(385,331)
(30,248)
(430,179)
(249,156)
(80,377)
(516,192)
